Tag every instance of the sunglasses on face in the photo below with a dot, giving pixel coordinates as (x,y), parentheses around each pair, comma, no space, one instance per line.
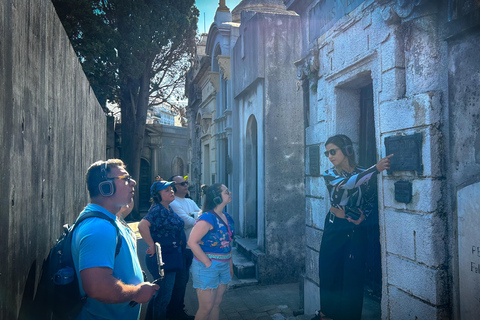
(331,152)
(183,184)
(127,178)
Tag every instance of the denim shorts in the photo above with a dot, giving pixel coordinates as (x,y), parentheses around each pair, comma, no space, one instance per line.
(211,277)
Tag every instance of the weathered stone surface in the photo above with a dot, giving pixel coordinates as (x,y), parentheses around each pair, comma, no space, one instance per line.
(315,186)
(316,210)
(311,265)
(392,53)
(400,233)
(313,238)
(419,280)
(406,306)
(419,110)
(407,61)
(416,237)
(464,95)
(52,129)
(423,58)
(469,250)
(426,195)
(315,134)
(393,84)
(312,297)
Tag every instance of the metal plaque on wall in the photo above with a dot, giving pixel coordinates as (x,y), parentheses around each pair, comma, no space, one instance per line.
(314,158)
(407,152)
(403,191)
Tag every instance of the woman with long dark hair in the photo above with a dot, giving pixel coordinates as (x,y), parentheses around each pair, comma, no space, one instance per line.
(344,240)
(211,243)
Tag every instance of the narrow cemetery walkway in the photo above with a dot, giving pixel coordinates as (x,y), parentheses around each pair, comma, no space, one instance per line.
(278,302)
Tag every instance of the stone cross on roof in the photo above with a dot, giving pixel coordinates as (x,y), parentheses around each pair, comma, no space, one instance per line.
(222,6)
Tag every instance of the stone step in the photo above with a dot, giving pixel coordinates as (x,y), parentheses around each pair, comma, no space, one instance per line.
(247,247)
(243,268)
(238,283)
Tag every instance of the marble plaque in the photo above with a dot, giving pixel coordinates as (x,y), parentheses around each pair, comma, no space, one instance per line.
(468,203)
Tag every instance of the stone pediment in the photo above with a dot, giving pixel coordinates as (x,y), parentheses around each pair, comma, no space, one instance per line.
(224,63)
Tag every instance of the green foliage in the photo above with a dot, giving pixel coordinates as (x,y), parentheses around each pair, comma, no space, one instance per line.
(135,53)
(120,41)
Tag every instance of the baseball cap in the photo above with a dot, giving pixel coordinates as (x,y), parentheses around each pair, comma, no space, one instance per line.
(159,185)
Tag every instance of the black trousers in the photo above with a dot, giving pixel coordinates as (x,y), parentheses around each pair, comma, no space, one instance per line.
(178,294)
(342,269)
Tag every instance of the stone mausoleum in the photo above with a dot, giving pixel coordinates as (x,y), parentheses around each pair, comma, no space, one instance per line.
(397,76)
(244,116)
(402,77)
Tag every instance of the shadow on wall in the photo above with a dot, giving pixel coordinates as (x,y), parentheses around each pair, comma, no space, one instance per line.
(27,310)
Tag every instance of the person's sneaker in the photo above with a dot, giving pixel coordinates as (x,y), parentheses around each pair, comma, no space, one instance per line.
(180,315)
(317,316)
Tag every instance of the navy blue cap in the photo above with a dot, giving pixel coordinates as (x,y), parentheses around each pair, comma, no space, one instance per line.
(159,185)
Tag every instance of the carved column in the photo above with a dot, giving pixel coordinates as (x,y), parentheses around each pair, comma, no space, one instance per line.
(155,147)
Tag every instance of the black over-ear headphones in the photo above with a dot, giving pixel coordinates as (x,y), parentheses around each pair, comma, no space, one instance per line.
(347,148)
(106,187)
(217,199)
(173,184)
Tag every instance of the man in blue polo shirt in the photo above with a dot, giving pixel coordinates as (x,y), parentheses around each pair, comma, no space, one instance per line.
(108,280)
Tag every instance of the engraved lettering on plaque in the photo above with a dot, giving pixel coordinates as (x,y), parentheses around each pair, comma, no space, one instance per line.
(407,151)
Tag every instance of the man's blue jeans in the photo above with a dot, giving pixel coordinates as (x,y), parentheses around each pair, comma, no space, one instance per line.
(157,306)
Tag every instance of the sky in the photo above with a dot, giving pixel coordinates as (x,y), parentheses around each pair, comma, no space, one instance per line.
(207,10)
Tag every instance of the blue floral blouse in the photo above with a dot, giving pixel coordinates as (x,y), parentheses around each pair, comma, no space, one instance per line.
(217,240)
(165,223)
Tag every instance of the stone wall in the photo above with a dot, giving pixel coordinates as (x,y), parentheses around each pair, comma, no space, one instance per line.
(463,160)
(264,86)
(52,129)
(402,56)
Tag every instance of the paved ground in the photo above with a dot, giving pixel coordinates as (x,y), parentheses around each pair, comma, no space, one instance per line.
(254,302)
(276,302)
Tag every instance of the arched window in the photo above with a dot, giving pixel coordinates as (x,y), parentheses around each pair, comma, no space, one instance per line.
(178,167)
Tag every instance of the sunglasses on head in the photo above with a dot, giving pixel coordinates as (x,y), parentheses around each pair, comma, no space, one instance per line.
(183,184)
(331,152)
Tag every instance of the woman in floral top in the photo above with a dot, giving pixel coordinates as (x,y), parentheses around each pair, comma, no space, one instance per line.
(211,243)
(162,225)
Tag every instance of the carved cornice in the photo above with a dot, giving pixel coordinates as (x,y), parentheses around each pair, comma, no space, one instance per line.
(214,78)
(309,66)
(224,63)
(400,9)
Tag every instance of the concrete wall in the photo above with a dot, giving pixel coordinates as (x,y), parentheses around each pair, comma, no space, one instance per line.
(174,145)
(404,59)
(52,129)
(264,85)
(463,154)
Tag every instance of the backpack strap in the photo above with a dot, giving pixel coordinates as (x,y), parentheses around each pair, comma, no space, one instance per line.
(98,214)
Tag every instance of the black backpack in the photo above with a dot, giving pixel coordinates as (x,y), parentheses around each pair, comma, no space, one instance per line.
(58,295)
